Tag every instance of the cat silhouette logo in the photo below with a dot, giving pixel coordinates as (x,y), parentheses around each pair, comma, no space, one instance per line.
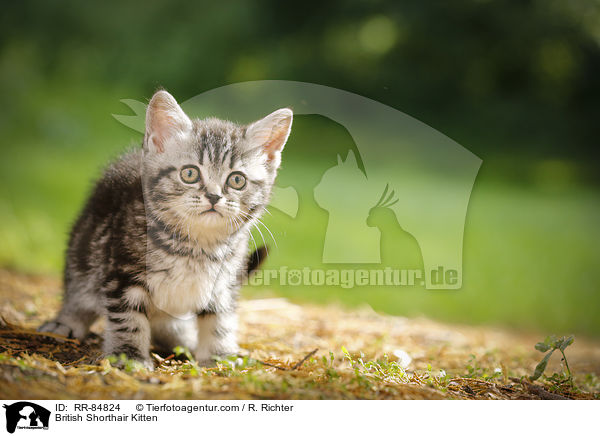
(401,189)
(26,415)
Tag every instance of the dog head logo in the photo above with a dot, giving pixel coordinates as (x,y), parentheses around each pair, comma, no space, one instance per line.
(26,415)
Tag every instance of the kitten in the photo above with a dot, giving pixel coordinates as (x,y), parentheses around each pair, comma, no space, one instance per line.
(161,246)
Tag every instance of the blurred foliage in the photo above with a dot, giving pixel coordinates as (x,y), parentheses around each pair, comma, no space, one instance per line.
(497,76)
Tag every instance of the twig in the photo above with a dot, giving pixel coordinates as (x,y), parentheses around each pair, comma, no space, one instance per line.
(12,328)
(543,393)
(296,366)
(538,390)
(299,364)
(76,361)
(272,365)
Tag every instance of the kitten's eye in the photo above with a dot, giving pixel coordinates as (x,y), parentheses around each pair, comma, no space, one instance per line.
(190,174)
(236,180)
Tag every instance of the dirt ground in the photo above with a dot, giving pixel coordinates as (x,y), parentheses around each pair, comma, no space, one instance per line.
(359,354)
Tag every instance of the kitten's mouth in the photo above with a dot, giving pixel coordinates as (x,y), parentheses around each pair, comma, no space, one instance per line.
(212,209)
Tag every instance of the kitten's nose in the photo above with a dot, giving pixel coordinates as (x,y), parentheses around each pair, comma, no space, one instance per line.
(213,198)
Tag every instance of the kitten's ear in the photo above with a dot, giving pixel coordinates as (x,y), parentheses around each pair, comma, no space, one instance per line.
(164,119)
(271,133)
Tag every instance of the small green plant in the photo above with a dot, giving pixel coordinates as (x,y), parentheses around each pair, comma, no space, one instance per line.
(382,369)
(549,346)
(476,370)
(330,371)
(236,363)
(191,366)
(439,381)
(122,361)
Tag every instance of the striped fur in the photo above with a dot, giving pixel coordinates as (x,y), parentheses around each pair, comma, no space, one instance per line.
(149,256)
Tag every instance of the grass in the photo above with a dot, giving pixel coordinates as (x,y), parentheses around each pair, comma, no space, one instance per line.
(289,351)
(530,253)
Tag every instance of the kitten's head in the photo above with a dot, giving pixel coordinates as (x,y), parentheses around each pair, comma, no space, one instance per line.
(209,178)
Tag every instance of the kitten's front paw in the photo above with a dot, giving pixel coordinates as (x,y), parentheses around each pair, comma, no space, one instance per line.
(208,357)
(56,328)
(212,361)
(207,363)
(148,364)
(127,363)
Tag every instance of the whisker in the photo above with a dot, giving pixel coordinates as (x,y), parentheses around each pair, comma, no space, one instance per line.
(263,224)
(253,240)
(268,230)
(262,237)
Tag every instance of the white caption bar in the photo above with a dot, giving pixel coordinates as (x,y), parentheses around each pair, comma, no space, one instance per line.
(264,417)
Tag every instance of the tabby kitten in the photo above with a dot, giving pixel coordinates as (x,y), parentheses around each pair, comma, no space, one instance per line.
(162,243)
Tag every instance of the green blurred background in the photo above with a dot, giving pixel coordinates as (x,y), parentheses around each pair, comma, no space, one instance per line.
(514,82)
